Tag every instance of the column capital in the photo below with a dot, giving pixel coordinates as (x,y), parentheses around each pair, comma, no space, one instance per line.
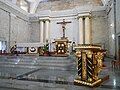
(40,21)
(47,20)
(80,17)
(83,15)
(44,18)
(87,17)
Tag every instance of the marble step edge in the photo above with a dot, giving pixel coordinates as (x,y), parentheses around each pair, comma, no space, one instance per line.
(27,85)
(38,57)
(41,64)
(40,61)
(41,67)
(34,59)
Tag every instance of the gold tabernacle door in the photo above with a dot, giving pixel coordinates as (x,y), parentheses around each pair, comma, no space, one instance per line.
(61,46)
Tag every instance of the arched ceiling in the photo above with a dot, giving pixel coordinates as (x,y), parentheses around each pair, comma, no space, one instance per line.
(35,3)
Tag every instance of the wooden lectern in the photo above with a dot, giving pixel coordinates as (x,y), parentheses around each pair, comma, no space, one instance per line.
(90,63)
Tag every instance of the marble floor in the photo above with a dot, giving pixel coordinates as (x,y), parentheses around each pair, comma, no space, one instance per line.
(48,73)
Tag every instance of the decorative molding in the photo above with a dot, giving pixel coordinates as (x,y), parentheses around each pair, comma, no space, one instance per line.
(44,18)
(67,13)
(11,8)
(84,14)
(87,14)
(34,19)
(14,6)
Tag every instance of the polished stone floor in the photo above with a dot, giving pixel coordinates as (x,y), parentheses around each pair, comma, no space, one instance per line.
(48,73)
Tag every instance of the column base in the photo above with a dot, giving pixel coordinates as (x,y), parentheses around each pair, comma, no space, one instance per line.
(91,84)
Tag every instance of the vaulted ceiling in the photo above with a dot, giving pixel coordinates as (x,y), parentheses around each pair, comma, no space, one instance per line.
(35,3)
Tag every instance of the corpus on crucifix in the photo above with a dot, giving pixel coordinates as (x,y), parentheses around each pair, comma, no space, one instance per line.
(63,26)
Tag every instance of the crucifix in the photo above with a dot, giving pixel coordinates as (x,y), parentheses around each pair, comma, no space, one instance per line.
(63,26)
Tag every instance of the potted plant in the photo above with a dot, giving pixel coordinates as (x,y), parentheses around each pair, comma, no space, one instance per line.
(46,49)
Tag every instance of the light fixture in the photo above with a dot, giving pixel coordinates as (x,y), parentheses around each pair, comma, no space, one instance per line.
(112,25)
(113,36)
(114,82)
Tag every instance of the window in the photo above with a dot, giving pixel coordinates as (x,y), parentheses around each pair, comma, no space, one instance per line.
(25,5)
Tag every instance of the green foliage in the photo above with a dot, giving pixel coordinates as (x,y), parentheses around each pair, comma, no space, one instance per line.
(46,47)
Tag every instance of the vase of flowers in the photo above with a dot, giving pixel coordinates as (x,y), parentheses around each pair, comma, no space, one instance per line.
(46,48)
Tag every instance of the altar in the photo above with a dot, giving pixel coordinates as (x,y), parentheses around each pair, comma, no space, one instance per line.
(61,47)
(62,43)
(29,48)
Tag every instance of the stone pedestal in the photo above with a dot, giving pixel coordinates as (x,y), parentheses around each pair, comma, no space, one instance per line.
(90,64)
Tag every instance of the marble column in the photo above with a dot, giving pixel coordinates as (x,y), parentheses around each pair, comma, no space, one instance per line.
(47,27)
(81,30)
(87,30)
(41,30)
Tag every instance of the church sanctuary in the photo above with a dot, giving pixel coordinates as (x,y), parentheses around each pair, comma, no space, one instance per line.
(59,44)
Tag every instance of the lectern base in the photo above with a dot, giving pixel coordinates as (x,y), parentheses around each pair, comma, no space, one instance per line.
(93,84)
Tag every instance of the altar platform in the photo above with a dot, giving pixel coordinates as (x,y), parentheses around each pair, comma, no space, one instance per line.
(31,73)
(36,61)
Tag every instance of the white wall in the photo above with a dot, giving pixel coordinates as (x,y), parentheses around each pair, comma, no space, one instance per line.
(118,25)
(99,25)
(111,32)
(111,26)
(34,32)
(71,30)
(56,29)
(4,26)
(118,16)
(13,25)
(19,30)
(100,32)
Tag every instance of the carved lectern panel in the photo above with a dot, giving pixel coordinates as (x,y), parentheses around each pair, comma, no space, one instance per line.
(90,62)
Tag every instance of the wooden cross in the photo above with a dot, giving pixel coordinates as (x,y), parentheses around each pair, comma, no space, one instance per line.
(63,26)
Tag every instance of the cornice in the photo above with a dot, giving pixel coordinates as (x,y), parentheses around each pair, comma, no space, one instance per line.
(11,8)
